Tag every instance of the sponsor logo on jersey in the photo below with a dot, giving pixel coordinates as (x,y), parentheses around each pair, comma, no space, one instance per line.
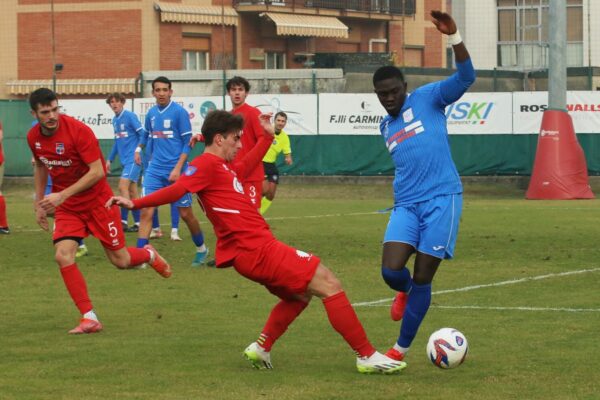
(60,148)
(56,163)
(407,132)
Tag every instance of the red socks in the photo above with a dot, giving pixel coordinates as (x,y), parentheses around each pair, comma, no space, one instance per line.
(3,222)
(138,256)
(345,321)
(77,288)
(282,315)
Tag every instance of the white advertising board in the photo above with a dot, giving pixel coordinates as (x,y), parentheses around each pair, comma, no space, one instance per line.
(350,114)
(94,113)
(528,108)
(480,113)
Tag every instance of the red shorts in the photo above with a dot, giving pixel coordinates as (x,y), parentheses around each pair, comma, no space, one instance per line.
(101,222)
(254,190)
(284,270)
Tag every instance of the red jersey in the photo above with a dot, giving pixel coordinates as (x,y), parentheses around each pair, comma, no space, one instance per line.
(1,151)
(217,183)
(66,154)
(252,132)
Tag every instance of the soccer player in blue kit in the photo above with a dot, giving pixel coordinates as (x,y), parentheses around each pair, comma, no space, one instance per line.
(427,188)
(128,130)
(168,126)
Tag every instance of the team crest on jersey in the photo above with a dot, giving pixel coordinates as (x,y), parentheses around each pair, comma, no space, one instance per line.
(190,170)
(122,127)
(60,148)
(407,116)
(237,185)
(167,123)
(38,146)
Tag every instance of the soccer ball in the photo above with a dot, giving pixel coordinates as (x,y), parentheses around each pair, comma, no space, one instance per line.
(447,348)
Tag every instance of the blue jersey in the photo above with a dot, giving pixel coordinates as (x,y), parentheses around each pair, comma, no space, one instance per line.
(128,131)
(170,130)
(417,140)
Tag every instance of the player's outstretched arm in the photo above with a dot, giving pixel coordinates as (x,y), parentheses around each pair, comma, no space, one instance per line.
(446,25)
(120,201)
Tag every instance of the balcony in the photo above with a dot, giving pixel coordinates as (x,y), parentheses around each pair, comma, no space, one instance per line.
(391,7)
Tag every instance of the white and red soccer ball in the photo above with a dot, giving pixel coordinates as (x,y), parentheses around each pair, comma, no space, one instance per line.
(447,348)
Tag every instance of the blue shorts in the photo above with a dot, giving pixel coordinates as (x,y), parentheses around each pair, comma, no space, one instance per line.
(155,180)
(430,226)
(131,171)
(48,189)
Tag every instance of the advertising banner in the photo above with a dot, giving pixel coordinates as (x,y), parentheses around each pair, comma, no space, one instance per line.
(350,114)
(94,113)
(301,110)
(583,106)
(481,113)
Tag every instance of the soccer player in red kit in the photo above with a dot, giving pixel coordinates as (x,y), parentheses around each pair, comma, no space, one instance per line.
(238,89)
(3,223)
(245,242)
(67,151)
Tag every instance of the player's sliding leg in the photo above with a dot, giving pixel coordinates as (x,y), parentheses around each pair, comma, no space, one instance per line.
(131,257)
(175,223)
(417,304)
(193,225)
(76,286)
(282,315)
(344,320)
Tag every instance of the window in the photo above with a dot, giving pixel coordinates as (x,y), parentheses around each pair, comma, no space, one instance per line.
(195,60)
(523,34)
(274,60)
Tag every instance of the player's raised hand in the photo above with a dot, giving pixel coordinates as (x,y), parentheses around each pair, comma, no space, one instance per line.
(198,137)
(443,22)
(265,122)
(120,201)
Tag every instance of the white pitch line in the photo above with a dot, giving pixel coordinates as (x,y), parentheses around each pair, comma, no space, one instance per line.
(475,287)
(563,309)
(324,215)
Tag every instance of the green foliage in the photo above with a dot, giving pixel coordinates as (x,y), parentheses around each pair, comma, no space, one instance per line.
(183,338)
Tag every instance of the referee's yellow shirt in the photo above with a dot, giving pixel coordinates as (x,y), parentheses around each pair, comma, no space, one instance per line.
(281,144)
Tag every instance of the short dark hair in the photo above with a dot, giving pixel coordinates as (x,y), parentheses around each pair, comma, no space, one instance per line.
(117,96)
(387,72)
(161,79)
(284,115)
(222,122)
(238,81)
(41,96)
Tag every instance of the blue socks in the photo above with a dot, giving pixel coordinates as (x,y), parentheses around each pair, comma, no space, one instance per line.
(400,280)
(174,216)
(417,305)
(198,239)
(141,242)
(124,213)
(136,216)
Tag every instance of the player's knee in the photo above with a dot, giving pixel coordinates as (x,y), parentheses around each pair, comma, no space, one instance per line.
(64,257)
(325,283)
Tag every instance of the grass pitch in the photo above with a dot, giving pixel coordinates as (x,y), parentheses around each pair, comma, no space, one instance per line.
(523,288)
